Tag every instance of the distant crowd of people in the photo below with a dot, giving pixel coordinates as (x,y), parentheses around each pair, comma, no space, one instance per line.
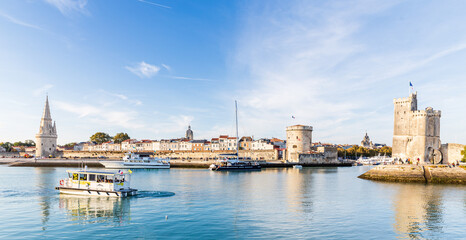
(417,162)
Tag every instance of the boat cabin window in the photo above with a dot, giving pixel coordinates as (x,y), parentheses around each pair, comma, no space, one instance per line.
(75,176)
(91,177)
(83,177)
(100,178)
(120,178)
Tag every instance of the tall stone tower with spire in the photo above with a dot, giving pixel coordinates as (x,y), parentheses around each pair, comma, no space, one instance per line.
(46,139)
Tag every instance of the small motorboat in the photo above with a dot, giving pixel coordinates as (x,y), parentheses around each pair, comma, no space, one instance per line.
(298,166)
(97,183)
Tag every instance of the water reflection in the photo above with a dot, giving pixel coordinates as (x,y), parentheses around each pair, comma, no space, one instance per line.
(299,188)
(45,178)
(418,208)
(95,209)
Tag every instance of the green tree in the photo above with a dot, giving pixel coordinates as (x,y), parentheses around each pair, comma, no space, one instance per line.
(29,143)
(464,154)
(70,145)
(100,137)
(7,146)
(120,137)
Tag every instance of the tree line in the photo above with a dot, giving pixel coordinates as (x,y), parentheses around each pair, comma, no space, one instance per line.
(356,151)
(8,146)
(101,137)
(463,152)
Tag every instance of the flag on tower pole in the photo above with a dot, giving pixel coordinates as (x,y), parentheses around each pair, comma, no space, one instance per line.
(410,87)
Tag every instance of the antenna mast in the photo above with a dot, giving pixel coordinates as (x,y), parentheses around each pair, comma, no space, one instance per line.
(237,138)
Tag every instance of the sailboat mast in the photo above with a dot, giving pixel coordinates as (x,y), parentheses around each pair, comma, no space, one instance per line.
(237,139)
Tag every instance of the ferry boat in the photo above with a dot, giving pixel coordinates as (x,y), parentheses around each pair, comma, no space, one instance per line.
(138,160)
(231,162)
(234,165)
(97,183)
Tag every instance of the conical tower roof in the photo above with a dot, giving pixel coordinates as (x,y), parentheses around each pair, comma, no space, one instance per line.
(46,114)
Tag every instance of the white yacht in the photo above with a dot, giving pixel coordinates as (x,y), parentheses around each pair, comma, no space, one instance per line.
(138,160)
(97,183)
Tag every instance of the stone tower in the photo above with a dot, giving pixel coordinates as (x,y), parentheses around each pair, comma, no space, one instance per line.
(298,140)
(416,133)
(46,139)
(189,133)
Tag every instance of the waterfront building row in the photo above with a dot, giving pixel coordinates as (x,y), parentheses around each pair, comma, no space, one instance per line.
(222,143)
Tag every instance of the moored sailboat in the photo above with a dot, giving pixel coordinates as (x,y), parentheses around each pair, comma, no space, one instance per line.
(234,164)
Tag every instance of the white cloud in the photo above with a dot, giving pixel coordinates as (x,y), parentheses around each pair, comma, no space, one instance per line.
(155,4)
(102,115)
(68,6)
(144,70)
(292,55)
(190,78)
(19,22)
(121,99)
(42,90)
(167,67)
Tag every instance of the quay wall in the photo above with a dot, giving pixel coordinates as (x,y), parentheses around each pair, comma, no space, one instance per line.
(203,155)
(178,163)
(9,154)
(414,173)
(451,152)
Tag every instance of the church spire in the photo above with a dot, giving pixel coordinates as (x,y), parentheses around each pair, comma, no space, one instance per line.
(46,114)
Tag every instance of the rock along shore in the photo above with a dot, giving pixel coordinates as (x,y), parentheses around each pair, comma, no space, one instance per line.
(414,173)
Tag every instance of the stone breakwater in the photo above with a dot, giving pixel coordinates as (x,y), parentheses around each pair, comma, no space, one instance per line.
(414,173)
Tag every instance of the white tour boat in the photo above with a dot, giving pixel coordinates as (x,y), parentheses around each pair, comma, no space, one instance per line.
(138,160)
(97,183)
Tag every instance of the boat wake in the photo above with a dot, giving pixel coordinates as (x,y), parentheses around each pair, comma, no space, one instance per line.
(153,194)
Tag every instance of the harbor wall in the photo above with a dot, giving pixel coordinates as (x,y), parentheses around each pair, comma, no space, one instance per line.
(324,155)
(202,155)
(414,173)
(9,154)
(451,152)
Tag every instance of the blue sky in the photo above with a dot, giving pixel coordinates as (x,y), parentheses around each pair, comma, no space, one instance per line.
(152,67)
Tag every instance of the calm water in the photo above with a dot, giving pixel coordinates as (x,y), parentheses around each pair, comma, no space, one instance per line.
(324,203)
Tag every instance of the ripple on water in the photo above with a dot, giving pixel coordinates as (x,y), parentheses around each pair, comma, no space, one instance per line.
(153,194)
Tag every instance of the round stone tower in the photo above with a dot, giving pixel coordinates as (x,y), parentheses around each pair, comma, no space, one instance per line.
(298,140)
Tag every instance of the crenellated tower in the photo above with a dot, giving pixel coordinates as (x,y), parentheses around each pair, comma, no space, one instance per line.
(416,133)
(46,139)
